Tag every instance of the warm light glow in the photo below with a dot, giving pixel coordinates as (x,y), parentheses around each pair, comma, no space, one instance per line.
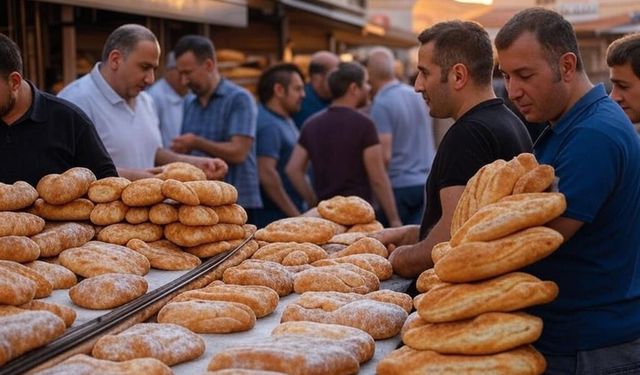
(346,57)
(482,2)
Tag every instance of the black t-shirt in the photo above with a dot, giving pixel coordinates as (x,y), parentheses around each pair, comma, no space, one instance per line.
(53,136)
(487,132)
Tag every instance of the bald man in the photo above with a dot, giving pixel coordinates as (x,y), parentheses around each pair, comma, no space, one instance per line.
(317,93)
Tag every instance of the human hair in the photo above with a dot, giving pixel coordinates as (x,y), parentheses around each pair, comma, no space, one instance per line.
(201,47)
(343,76)
(10,59)
(125,38)
(281,74)
(625,50)
(461,42)
(380,63)
(554,33)
(321,62)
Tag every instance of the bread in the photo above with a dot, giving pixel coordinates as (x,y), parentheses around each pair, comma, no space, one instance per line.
(372,227)
(231,214)
(107,189)
(379,319)
(209,316)
(375,264)
(143,192)
(17,196)
(63,188)
(20,224)
(330,301)
(169,343)
(137,215)
(439,251)
(18,249)
(239,371)
(347,238)
(67,314)
(429,280)
(213,248)
(57,237)
(164,255)
(214,193)
(182,172)
(345,278)
(297,229)
(197,215)
(472,261)
(389,296)
(262,300)
(81,364)
(16,289)
(190,236)
(509,215)
(180,192)
(23,330)
(365,245)
(43,286)
(260,272)
(76,210)
(347,210)
(501,183)
(231,55)
(536,180)
(122,233)
(96,258)
(407,361)
(113,289)
(57,275)
(163,213)
(413,321)
(280,252)
(510,292)
(108,213)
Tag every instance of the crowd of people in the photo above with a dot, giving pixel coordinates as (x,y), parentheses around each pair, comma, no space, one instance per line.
(358,130)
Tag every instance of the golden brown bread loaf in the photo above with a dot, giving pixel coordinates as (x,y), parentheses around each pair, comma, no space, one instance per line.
(57,237)
(260,272)
(488,333)
(122,233)
(201,316)
(379,319)
(18,249)
(180,192)
(365,245)
(43,286)
(107,189)
(63,188)
(347,238)
(241,371)
(330,301)
(163,213)
(372,227)
(108,290)
(143,192)
(164,255)
(137,215)
(108,213)
(76,210)
(182,172)
(22,330)
(188,236)
(57,275)
(472,261)
(346,210)
(407,361)
(429,280)
(197,215)
(262,300)
(502,182)
(16,289)
(389,296)
(213,248)
(439,251)
(95,258)
(17,196)
(20,224)
(81,364)
(357,341)
(535,181)
(297,229)
(279,251)
(293,355)
(373,263)
(214,193)
(344,277)
(231,214)
(67,314)
(169,343)
(413,321)
(509,215)
(510,292)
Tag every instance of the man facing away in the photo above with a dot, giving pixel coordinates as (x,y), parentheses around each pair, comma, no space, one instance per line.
(317,94)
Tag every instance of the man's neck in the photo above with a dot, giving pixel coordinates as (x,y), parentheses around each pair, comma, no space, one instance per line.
(110,78)
(275,107)
(21,106)
(472,99)
(205,98)
(344,102)
(581,86)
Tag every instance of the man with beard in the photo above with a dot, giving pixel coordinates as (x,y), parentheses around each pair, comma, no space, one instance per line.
(343,146)
(280,90)
(39,133)
(623,58)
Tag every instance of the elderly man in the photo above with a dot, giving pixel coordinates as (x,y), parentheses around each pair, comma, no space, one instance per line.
(317,94)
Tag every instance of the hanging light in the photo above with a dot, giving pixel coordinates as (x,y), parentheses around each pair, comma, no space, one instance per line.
(481,2)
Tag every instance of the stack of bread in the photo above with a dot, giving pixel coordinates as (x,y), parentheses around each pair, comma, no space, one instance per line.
(467,320)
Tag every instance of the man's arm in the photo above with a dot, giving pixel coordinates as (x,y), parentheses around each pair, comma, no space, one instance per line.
(380,183)
(135,174)
(296,171)
(567,227)
(386,139)
(272,184)
(214,168)
(411,260)
(234,152)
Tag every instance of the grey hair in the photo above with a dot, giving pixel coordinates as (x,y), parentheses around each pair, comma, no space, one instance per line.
(125,38)
(380,62)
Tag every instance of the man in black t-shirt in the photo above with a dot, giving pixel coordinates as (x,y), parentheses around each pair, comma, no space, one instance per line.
(39,133)
(455,63)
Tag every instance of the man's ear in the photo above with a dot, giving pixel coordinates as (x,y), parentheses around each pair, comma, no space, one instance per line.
(14,80)
(115,58)
(209,64)
(460,75)
(279,91)
(568,65)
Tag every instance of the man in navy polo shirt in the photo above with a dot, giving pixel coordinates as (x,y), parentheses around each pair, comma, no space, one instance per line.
(593,327)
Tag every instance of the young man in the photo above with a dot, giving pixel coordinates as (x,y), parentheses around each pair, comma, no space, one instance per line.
(280,90)
(219,119)
(455,63)
(39,133)
(623,58)
(343,147)
(112,96)
(594,324)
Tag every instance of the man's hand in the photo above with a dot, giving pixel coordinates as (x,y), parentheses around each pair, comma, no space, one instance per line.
(405,235)
(410,260)
(184,143)
(214,168)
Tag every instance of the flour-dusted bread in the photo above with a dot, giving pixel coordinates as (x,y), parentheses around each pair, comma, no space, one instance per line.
(213,248)
(330,301)
(260,272)
(43,286)
(163,213)
(164,255)
(18,249)
(67,314)
(429,280)
(169,343)
(285,253)
(57,237)
(364,245)
(95,258)
(108,290)
(76,210)
(231,214)
(108,213)
(122,233)
(180,192)
(107,189)
(16,289)
(20,224)
(202,316)
(16,196)
(262,300)
(190,236)
(59,276)
(81,364)
(63,188)
(182,172)
(137,215)
(536,180)
(371,227)
(214,193)
(373,263)
(344,277)
(197,215)
(346,210)
(297,229)
(143,192)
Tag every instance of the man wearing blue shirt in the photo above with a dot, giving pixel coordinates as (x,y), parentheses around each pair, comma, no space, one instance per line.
(623,58)
(317,94)
(593,327)
(219,119)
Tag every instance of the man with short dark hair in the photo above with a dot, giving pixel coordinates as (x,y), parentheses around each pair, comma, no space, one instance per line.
(280,90)
(593,327)
(342,144)
(623,58)
(317,94)
(39,133)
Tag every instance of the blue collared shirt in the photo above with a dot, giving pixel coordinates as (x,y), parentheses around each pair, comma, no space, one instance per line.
(311,104)
(169,107)
(230,111)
